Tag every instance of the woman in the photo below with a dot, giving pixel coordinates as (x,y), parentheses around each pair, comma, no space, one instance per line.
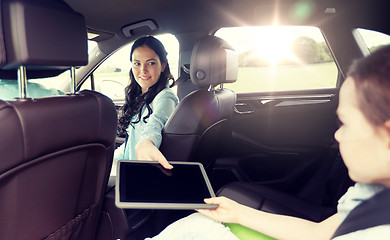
(364,140)
(149,102)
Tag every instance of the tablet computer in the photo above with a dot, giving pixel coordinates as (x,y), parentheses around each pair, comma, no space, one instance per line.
(147,185)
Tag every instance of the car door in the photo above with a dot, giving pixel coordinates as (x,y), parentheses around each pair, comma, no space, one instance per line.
(278,142)
(284,121)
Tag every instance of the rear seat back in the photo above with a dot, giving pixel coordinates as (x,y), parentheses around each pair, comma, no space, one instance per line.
(56,153)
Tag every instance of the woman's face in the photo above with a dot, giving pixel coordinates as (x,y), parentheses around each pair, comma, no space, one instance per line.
(146,67)
(364,148)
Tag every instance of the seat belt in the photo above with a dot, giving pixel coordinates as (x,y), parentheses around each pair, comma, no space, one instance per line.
(370,213)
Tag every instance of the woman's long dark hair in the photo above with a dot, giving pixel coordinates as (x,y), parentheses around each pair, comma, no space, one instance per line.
(135,100)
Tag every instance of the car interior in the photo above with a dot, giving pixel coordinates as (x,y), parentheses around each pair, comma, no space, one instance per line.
(265,142)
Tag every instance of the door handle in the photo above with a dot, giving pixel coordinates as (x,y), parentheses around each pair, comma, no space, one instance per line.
(243,108)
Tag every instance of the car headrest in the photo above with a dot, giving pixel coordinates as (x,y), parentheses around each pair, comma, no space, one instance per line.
(213,61)
(41,35)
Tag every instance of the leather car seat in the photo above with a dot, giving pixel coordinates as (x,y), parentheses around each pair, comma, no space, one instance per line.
(56,153)
(315,202)
(193,129)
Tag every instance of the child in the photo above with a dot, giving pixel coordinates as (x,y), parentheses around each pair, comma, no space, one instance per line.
(364,140)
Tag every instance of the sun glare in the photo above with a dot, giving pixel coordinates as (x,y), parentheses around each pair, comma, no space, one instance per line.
(271,45)
(275,45)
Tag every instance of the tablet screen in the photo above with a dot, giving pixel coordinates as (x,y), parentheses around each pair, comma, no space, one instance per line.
(145,184)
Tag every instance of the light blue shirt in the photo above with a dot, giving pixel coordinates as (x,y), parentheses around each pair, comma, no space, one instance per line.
(9,90)
(351,199)
(163,106)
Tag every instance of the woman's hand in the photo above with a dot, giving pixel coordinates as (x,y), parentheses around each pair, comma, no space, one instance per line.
(146,150)
(227,210)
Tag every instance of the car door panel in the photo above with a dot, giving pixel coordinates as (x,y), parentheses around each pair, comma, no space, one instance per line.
(277,142)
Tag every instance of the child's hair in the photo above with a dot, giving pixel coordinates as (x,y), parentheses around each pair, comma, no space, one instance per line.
(135,100)
(371,76)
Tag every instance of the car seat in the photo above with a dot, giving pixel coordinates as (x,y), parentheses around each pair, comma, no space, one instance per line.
(56,153)
(316,201)
(192,131)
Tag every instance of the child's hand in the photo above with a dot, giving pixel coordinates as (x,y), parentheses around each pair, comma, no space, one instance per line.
(227,210)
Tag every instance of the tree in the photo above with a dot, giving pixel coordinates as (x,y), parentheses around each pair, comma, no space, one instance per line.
(324,53)
(251,59)
(305,49)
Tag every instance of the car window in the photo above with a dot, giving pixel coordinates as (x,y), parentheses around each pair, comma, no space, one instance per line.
(61,81)
(112,76)
(373,39)
(280,58)
(57,82)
